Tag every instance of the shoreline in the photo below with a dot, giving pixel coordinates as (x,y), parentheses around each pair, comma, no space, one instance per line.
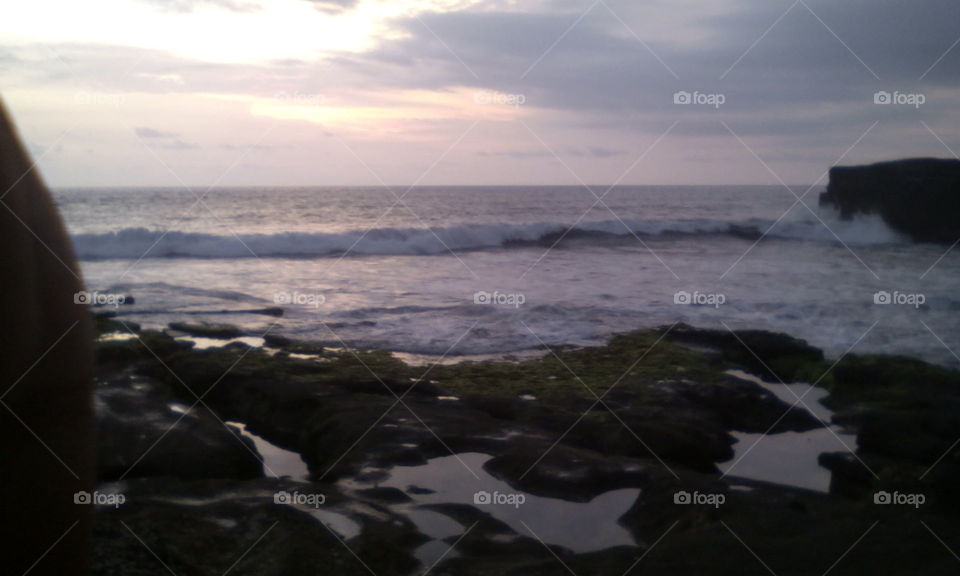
(206,334)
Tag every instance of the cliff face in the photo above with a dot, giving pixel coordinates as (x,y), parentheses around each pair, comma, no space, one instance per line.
(920,197)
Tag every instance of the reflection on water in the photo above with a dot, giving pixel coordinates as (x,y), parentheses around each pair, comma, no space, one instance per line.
(345,527)
(579,526)
(203,343)
(789,458)
(277,462)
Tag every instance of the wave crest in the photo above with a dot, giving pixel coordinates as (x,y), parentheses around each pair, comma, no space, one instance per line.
(141,242)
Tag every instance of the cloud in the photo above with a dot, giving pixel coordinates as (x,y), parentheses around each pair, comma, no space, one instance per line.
(262,147)
(809,80)
(333,6)
(144,132)
(186,6)
(597,86)
(177,144)
(596,152)
(163,139)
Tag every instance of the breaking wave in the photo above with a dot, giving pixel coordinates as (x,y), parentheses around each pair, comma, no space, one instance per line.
(133,243)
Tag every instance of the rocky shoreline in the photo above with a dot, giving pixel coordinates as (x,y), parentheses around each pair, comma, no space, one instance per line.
(651,412)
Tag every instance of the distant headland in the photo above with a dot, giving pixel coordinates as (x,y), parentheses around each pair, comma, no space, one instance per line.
(919,196)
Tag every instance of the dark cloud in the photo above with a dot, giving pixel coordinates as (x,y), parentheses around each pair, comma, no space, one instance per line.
(814,72)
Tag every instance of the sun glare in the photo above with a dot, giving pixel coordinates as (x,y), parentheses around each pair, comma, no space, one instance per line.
(391,109)
(267,31)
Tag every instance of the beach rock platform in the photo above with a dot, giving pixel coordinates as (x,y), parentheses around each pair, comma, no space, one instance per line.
(652,411)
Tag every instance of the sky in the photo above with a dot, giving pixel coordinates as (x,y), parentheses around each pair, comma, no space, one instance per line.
(472,92)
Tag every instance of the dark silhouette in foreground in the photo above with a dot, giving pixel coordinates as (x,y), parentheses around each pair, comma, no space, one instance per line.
(46,412)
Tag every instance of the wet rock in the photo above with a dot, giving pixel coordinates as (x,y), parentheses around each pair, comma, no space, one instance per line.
(385,494)
(342,419)
(901,434)
(671,433)
(741,405)
(771,355)
(141,431)
(419,490)
(352,432)
(496,405)
(660,421)
(904,411)
(147,346)
(791,531)
(390,387)
(214,527)
(564,472)
(849,477)
(276,341)
(107,322)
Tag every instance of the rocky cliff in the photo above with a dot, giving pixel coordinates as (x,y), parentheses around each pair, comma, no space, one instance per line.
(919,197)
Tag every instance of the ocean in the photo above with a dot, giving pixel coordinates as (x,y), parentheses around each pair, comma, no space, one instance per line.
(454,272)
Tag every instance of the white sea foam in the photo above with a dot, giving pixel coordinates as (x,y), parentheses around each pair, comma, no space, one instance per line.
(141,242)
